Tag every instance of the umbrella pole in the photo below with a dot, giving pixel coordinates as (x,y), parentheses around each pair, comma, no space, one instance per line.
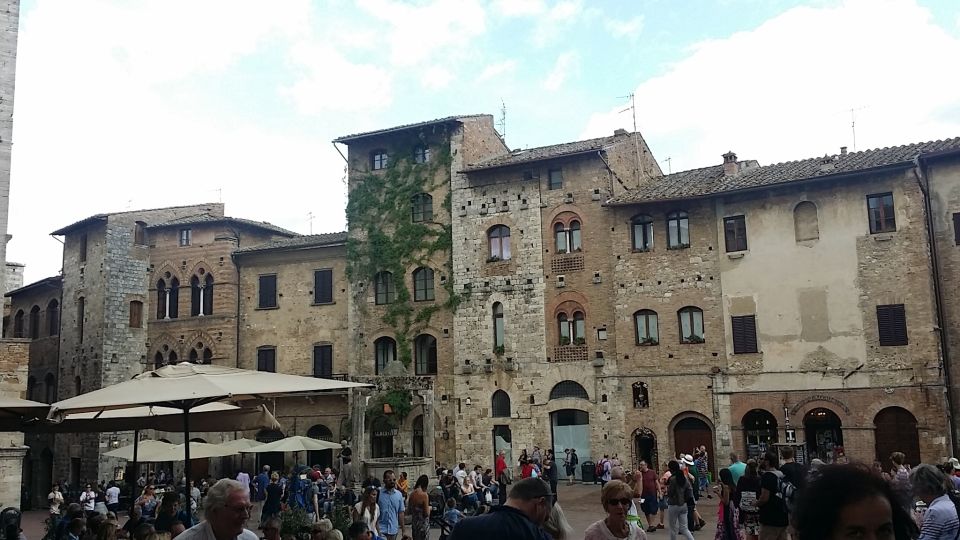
(136,466)
(186,464)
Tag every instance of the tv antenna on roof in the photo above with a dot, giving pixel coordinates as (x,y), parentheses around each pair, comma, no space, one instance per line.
(310,219)
(503,119)
(853,124)
(636,138)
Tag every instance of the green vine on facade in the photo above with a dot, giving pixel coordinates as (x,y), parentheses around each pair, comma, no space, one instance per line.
(400,402)
(384,237)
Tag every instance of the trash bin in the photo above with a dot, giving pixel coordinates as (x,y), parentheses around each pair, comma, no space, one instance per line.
(588,471)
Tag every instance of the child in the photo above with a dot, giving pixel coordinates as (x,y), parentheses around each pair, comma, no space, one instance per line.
(452,516)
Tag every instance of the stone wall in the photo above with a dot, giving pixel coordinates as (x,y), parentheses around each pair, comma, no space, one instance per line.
(14,367)
(9,32)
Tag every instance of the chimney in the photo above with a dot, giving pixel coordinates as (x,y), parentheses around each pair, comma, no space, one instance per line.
(843,150)
(619,132)
(730,165)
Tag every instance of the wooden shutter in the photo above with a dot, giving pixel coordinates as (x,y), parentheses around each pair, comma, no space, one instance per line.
(323,361)
(956,229)
(323,287)
(892,325)
(267,359)
(268,291)
(136,314)
(744,334)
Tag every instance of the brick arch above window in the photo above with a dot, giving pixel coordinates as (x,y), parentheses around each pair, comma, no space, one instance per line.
(568,302)
(568,308)
(565,217)
(206,268)
(167,267)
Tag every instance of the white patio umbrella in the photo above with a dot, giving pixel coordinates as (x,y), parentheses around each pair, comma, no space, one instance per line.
(15,412)
(296,443)
(177,452)
(128,452)
(186,386)
(241,443)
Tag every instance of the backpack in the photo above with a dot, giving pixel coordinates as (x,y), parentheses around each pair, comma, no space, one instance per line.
(786,491)
(573,460)
(599,471)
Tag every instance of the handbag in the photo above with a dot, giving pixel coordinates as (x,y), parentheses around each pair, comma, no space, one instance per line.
(488,497)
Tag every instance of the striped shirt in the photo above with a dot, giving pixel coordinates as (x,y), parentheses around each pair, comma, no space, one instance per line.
(940,520)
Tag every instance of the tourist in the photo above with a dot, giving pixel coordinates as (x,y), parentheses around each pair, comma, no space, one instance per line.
(403,484)
(76,528)
(536,457)
(728,527)
(527,508)
(135,520)
(526,469)
(940,520)
(244,479)
(557,525)
(792,471)
(469,498)
(646,480)
(176,529)
(551,475)
(452,515)
(366,510)
(167,513)
(523,457)
(460,473)
(616,498)
(900,474)
(773,509)
(679,495)
(851,501)
(419,508)
(148,503)
(88,500)
(490,485)
(106,531)
(271,529)
(359,531)
(606,467)
(391,523)
(736,467)
(570,464)
(273,494)
(261,483)
(748,491)
(55,499)
(226,510)
(113,497)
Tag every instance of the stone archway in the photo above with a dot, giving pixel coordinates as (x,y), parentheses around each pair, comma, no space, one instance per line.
(690,431)
(645,448)
(896,431)
(824,433)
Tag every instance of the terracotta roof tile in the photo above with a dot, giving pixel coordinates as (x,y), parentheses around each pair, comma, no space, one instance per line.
(299,242)
(348,138)
(531,155)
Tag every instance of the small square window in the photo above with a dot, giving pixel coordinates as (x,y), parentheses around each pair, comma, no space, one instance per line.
(881,213)
(555,179)
(735,233)
(185,237)
(380,159)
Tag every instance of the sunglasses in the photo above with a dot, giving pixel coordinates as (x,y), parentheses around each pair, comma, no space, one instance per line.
(623,502)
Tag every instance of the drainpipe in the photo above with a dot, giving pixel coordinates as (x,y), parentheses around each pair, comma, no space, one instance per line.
(923,182)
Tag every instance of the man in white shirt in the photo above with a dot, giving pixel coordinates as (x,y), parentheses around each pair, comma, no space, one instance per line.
(113,497)
(460,473)
(88,500)
(244,479)
(226,509)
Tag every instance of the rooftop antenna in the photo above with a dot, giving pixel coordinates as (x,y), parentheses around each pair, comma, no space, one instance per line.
(636,137)
(669,167)
(503,119)
(310,219)
(853,124)
(219,195)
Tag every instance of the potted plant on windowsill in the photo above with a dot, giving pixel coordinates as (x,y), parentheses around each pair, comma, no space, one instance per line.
(498,350)
(580,341)
(493,258)
(561,251)
(693,339)
(649,342)
(578,250)
(564,341)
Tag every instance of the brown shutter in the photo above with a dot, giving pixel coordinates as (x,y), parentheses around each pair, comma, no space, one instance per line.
(268,291)
(744,334)
(956,229)
(323,286)
(892,325)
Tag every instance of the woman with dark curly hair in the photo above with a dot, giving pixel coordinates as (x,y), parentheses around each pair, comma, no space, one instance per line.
(849,501)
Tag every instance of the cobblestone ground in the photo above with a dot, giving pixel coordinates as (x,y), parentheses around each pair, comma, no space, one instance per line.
(580,502)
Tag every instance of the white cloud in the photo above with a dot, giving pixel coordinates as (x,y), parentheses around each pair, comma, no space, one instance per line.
(495,70)
(436,78)
(552,26)
(331,82)
(565,66)
(629,28)
(519,8)
(784,89)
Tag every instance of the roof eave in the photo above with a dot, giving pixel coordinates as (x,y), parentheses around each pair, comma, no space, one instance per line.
(848,174)
(52,282)
(534,160)
(379,133)
(78,225)
(258,251)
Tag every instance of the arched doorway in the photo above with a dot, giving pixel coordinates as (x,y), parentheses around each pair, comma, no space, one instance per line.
(571,429)
(199,467)
(645,448)
(273,459)
(323,458)
(381,440)
(502,440)
(896,431)
(759,432)
(691,433)
(824,434)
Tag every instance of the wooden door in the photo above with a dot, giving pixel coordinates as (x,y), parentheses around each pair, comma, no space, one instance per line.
(896,431)
(691,433)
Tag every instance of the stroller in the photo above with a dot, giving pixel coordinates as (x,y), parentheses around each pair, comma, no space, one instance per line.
(438,503)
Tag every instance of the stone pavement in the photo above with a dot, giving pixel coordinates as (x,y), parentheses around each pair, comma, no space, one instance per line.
(580,502)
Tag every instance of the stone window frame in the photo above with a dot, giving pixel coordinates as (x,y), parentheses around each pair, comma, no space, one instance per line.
(691,312)
(647,236)
(185,237)
(384,351)
(201,293)
(379,159)
(641,395)
(499,325)
(567,230)
(648,340)
(168,298)
(571,324)
(384,288)
(735,233)
(500,404)
(679,217)
(421,208)
(424,284)
(499,243)
(877,217)
(430,365)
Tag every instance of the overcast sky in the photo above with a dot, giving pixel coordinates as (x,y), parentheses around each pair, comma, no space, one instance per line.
(124,105)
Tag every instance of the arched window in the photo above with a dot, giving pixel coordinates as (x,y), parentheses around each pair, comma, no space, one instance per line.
(195,288)
(500,404)
(805,223)
(641,233)
(386,351)
(50,392)
(641,395)
(646,327)
(158,360)
(579,328)
(421,154)
(18,324)
(498,327)
(172,358)
(691,324)
(208,294)
(53,318)
(568,389)
(567,237)
(35,322)
(31,388)
(423,284)
(168,299)
(571,326)
(421,206)
(678,230)
(384,288)
(563,328)
(200,354)
(174,296)
(425,350)
(499,238)
(759,432)
(207,355)
(201,294)
(161,299)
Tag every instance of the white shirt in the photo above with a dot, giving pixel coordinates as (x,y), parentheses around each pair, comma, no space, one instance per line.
(89,500)
(371,521)
(460,475)
(244,479)
(113,495)
(599,531)
(203,531)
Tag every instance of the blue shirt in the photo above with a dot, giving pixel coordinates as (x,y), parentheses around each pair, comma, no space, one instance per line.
(940,520)
(736,470)
(503,522)
(391,504)
(452,516)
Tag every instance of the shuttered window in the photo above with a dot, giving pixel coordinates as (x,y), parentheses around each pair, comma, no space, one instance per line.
(892,325)
(268,291)
(267,359)
(323,361)
(956,229)
(323,287)
(735,233)
(744,334)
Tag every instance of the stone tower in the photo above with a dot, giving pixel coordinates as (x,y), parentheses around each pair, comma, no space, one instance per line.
(9,23)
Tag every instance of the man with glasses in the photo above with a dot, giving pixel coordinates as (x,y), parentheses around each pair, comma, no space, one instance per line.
(226,509)
(527,508)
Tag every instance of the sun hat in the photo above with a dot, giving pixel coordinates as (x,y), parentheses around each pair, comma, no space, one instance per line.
(687,459)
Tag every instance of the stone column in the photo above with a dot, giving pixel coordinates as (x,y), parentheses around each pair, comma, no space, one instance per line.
(429,437)
(359,439)
(11,474)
